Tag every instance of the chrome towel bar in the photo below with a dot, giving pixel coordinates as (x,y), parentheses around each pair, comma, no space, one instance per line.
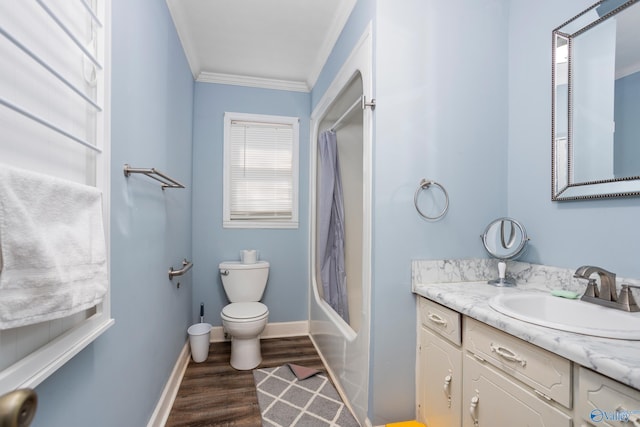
(186,266)
(166,181)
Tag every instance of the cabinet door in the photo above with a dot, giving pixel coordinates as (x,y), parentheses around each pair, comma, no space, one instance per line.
(440,381)
(605,402)
(490,399)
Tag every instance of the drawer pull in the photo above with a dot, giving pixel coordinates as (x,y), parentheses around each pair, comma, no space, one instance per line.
(542,395)
(633,418)
(507,354)
(447,389)
(473,409)
(437,319)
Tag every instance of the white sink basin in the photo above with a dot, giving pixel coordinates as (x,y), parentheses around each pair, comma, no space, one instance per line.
(568,315)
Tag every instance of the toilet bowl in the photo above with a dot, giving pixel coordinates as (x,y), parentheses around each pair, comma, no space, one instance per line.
(245,317)
(245,321)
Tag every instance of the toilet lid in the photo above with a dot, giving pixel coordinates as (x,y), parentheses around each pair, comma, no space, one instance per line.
(245,310)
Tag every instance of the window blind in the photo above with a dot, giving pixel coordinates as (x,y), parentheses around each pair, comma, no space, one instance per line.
(261,176)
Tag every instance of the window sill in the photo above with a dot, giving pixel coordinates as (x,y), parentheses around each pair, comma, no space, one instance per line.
(261,224)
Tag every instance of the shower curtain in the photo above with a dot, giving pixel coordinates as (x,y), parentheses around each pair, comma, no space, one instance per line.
(331,225)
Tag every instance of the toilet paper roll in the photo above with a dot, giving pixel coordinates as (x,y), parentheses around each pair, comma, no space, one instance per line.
(249,256)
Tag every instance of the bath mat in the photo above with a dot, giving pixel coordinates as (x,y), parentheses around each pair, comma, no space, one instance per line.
(286,401)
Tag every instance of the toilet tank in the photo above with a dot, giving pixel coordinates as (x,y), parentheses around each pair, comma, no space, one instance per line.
(244,282)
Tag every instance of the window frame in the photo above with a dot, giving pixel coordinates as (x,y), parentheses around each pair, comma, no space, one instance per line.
(291,223)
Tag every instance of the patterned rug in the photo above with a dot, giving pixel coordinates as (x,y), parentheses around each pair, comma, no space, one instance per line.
(286,401)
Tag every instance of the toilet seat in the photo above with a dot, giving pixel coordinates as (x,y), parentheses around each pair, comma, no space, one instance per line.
(244,311)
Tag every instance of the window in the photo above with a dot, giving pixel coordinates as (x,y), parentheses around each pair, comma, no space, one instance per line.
(260,171)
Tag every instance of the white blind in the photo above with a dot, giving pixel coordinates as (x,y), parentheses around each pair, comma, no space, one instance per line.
(261,176)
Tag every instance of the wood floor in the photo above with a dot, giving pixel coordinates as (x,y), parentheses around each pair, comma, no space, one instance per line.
(212,393)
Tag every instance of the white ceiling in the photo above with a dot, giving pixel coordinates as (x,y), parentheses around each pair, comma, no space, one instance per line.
(279,44)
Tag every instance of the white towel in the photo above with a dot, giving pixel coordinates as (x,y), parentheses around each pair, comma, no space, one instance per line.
(52,248)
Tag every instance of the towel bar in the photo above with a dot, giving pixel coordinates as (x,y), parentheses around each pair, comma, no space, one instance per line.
(424,185)
(166,181)
(186,266)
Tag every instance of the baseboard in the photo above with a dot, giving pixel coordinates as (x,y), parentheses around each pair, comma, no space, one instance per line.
(163,408)
(286,329)
(272,330)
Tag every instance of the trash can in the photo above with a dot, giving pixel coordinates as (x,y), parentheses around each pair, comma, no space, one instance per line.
(199,341)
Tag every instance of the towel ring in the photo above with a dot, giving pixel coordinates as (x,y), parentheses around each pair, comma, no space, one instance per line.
(424,185)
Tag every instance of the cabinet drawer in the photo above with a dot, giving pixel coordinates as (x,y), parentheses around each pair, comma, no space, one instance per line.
(547,373)
(442,320)
(603,401)
(491,399)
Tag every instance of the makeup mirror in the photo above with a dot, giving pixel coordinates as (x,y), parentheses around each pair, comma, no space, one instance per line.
(504,239)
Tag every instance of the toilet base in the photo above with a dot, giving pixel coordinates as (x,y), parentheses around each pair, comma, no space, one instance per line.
(245,337)
(245,353)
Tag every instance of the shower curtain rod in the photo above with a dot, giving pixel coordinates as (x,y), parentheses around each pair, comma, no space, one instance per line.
(360,101)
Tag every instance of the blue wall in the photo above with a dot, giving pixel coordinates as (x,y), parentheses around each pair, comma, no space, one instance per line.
(117,380)
(441,114)
(563,234)
(286,250)
(362,13)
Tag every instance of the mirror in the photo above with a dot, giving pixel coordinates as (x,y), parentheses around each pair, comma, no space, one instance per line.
(505,238)
(596,103)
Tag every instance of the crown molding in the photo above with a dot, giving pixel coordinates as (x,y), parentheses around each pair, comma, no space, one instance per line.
(237,80)
(180,22)
(338,24)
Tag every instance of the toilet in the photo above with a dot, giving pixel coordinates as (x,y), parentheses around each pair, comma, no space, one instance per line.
(245,317)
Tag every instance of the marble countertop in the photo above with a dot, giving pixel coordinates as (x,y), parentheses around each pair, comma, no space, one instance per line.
(617,359)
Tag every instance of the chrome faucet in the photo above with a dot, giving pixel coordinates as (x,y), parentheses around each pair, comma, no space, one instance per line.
(607,294)
(607,290)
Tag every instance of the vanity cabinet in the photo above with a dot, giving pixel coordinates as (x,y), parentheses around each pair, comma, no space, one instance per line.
(473,375)
(439,379)
(485,377)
